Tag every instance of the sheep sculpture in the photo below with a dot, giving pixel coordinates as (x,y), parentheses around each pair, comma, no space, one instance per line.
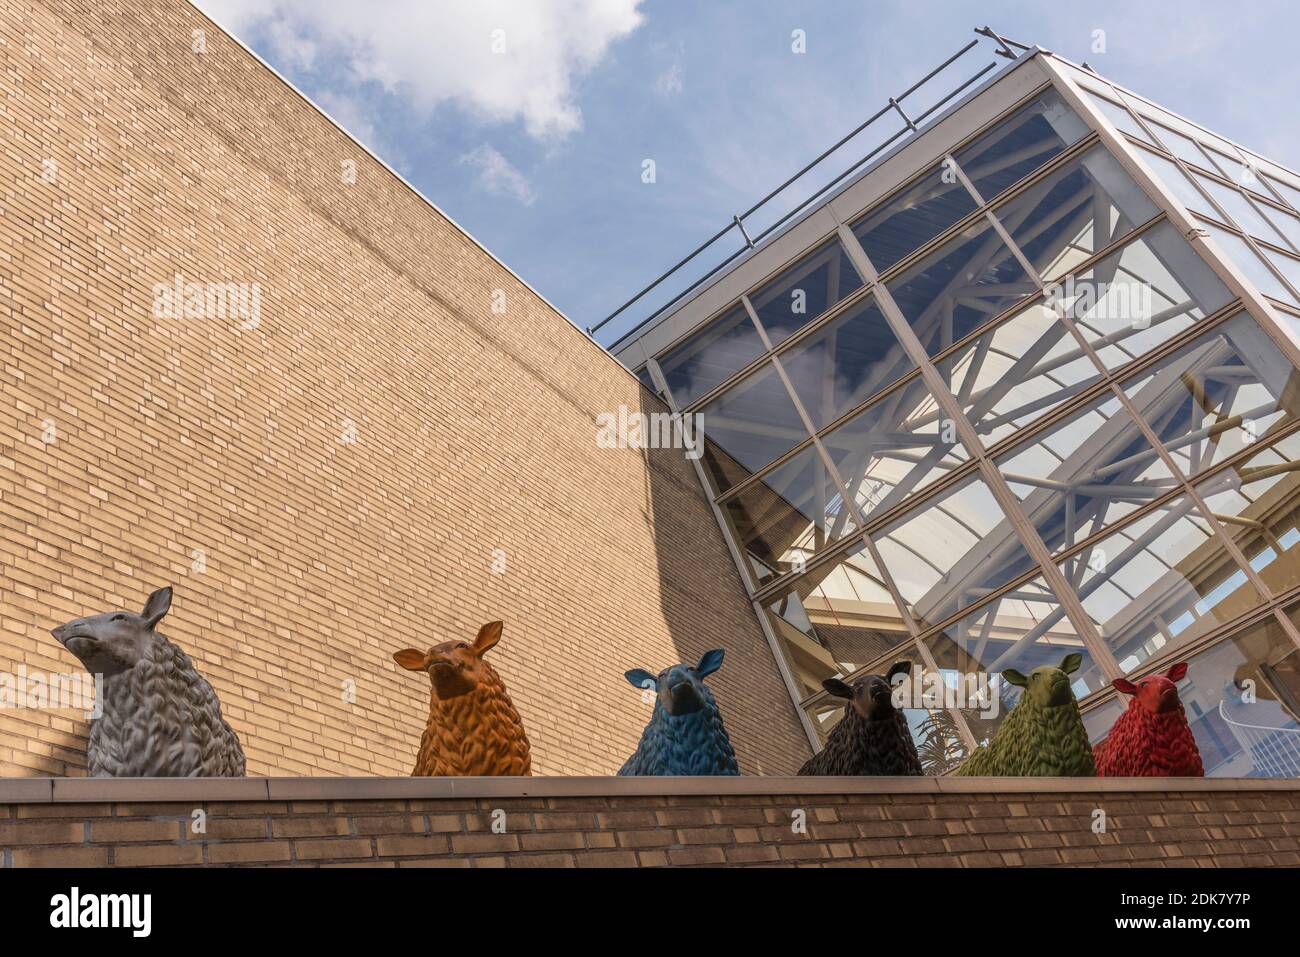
(1152,737)
(473,728)
(1043,735)
(160,717)
(873,736)
(685,734)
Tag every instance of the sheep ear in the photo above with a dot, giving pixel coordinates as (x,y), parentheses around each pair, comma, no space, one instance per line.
(640,678)
(899,668)
(1070,663)
(1178,672)
(157,605)
(710,662)
(410,659)
(838,688)
(1124,685)
(1015,677)
(488,636)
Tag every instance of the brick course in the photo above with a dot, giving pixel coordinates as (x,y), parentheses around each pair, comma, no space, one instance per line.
(645,824)
(175,437)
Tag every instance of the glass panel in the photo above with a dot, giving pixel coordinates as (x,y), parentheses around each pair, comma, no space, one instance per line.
(1289,193)
(835,620)
(1239,251)
(1022,629)
(1098,721)
(1182,147)
(1169,174)
(1120,118)
(844,363)
(1243,735)
(1288,266)
(805,291)
(711,356)
(644,375)
(1081,208)
(1020,144)
(951,551)
(1085,473)
(910,219)
(1217,395)
(960,286)
(788,516)
(1245,216)
(1257,501)
(1158,583)
(1016,372)
(1284,223)
(1140,295)
(749,425)
(898,444)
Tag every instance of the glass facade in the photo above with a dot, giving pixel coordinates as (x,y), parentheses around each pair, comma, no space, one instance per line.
(1009,412)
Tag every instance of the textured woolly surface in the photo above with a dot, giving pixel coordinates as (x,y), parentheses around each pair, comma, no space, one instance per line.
(1142,744)
(859,746)
(694,743)
(478,733)
(162,719)
(1034,741)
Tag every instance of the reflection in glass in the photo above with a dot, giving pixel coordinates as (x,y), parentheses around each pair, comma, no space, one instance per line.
(1158,583)
(1021,629)
(845,362)
(1085,473)
(1016,372)
(1257,501)
(1168,173)
(951,551)
(1140,295)
(1217,395)
(748,426)
(910,219)
(1120,118)
(711,356)
(834,620)
(973,277)
(1020,144)
(897,445)
(1243,215)
(805,291)
(1074,212)
(788,516)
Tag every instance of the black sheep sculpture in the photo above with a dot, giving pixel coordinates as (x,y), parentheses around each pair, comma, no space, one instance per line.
(872,738)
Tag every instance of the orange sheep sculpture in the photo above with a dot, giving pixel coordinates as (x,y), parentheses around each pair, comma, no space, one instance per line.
(473,728)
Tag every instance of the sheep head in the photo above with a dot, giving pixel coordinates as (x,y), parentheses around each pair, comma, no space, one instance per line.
(114,642)
(1046,686)
(680,688)
(455,668)
(1157,694)
(871,696)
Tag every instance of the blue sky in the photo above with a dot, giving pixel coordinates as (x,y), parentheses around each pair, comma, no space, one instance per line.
(533,138)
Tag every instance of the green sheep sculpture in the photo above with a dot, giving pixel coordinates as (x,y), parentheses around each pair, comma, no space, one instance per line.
(1043,736)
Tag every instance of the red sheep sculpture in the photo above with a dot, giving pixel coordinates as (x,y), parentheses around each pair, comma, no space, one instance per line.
(1152,738)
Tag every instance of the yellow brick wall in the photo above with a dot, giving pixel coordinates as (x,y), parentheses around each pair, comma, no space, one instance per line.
(128,159)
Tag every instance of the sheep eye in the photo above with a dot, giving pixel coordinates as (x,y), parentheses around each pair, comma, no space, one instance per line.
(119,618)
(461,644)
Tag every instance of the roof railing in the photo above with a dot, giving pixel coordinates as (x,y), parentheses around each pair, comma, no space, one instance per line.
(1005,48)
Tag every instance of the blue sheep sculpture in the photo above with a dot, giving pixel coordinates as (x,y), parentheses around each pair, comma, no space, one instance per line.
(685,734)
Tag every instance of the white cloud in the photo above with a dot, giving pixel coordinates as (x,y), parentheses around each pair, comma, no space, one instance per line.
(670,81)
(498,176)
(435,53)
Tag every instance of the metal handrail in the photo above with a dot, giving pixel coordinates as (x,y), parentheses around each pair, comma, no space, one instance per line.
(1005,48)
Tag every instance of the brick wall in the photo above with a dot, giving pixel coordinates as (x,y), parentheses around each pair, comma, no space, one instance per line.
(131,446)
(645,823)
